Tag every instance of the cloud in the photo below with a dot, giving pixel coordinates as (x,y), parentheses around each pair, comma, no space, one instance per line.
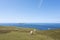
(40,4)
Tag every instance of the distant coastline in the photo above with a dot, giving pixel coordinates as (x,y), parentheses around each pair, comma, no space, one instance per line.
(39,26)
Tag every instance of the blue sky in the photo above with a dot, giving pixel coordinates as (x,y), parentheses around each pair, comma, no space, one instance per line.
(29,11)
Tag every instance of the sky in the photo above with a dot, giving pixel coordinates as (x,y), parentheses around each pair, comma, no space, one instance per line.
(29,11)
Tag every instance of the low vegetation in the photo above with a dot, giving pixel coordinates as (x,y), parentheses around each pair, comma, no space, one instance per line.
(15,33)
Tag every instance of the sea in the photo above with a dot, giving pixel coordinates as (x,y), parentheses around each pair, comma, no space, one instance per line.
(39,26)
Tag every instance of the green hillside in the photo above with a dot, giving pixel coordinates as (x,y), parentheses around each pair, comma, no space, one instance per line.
(15,33)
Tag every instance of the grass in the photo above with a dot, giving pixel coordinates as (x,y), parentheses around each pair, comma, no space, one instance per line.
(13,33)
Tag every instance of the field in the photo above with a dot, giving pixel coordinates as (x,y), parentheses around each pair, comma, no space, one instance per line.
(15,33)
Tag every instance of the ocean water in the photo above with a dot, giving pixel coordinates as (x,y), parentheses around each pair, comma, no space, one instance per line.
(39,26)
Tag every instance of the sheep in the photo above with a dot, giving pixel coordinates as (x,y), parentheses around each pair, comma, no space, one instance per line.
(32,32)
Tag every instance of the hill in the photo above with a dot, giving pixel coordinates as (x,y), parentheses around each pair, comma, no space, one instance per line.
(15,33)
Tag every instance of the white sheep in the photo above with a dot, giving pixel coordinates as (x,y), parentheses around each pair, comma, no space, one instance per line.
(32,32)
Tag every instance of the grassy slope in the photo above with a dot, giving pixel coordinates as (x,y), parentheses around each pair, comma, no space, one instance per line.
(13,33)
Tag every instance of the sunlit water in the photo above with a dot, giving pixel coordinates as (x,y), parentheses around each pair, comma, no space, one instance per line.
(40,26)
